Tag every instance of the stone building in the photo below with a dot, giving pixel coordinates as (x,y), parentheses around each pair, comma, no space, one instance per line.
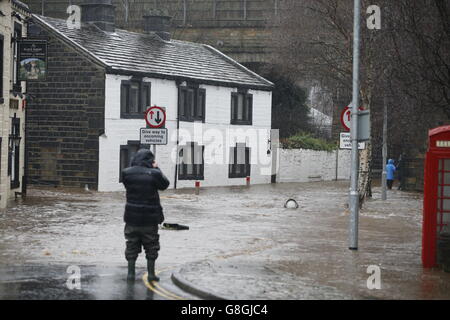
(85,119)
(13,16)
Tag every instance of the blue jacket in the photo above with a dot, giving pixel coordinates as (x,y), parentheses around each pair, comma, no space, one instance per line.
(390,169)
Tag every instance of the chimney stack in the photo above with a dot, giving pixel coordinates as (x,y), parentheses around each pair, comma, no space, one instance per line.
(158,21)
(100,13)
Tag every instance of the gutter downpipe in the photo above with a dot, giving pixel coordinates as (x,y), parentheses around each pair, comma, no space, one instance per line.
(178,138)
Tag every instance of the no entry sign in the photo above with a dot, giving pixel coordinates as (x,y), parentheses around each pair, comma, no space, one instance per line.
(155,117)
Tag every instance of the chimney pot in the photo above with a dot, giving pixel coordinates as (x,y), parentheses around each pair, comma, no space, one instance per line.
(100,13)
(158,21)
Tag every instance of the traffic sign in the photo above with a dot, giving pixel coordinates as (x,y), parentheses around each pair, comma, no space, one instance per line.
(153,136)
(346,118)
(345,142)
(155,117)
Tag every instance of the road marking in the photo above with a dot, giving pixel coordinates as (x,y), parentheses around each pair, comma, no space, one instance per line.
(167,291)
(155,287)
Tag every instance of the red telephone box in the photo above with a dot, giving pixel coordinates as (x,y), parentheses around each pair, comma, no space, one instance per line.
(436,202)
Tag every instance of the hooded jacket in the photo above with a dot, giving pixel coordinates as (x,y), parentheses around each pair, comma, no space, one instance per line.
(142,183)
(390,169)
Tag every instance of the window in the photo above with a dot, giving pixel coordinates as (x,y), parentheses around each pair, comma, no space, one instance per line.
(14,153)
(191,162)
(191,104)
(15,64)
(239,166)
(126,154)
(241,108)
(2,41)
(134,98)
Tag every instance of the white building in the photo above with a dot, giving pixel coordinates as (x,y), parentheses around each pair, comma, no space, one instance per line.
(222,109)
(13,15)
(216,134)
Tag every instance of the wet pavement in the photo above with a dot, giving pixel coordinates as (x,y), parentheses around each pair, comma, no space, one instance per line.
(242,244)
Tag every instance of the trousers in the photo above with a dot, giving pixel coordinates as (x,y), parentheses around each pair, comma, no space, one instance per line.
(141,236)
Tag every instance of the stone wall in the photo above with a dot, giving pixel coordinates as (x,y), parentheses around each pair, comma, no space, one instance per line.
(239,28)
(65,118)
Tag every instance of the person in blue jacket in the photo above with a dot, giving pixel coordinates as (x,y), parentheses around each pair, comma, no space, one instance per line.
(390,169)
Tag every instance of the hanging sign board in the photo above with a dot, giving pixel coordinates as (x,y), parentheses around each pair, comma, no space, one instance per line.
(32,60)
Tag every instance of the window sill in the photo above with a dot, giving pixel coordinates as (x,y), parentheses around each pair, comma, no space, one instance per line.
(241,123)
(192,120)
(191,178)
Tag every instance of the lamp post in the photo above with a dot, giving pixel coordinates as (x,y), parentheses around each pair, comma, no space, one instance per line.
(354,194)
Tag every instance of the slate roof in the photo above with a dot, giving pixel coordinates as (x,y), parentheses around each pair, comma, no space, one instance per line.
(125,52)
(21,5)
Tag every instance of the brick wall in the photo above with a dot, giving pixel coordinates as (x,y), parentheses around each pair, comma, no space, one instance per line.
(65,119)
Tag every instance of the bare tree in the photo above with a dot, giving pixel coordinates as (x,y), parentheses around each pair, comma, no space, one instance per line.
(126,9)
(407,60)
(315,42)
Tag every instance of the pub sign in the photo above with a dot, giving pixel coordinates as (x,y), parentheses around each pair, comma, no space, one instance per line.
(32,60)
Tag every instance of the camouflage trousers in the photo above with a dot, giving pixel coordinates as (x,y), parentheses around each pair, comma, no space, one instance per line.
(138,237)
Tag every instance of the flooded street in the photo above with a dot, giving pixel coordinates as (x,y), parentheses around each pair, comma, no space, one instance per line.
(242,243)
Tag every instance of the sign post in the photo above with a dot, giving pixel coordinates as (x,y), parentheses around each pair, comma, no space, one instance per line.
(353,193)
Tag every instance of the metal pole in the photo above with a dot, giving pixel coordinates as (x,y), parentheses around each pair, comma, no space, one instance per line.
(354,194)
(337,163)
(245,9)
(184,12)
(383,176)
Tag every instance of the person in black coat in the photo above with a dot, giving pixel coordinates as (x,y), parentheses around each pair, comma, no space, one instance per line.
(143,211)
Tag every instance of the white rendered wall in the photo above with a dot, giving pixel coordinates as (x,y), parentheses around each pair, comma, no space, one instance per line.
(300,165)
(213,134)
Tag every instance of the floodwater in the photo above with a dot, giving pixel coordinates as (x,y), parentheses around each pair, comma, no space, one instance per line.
(238,233)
